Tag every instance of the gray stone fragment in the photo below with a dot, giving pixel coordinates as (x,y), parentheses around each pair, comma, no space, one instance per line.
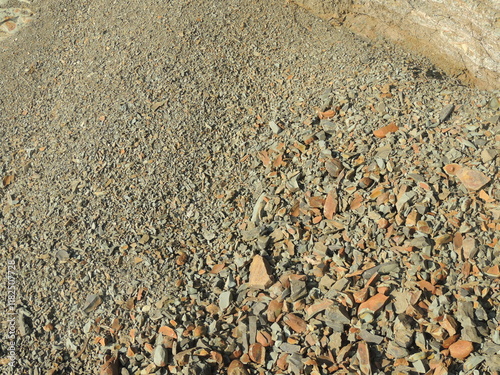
(225,300)
(62,255)
(420,242)
(370,337)
(445,112)
(340,284)
(334,167)
(470,334)
(493,362)
(473,361)
(160,356)
(91,303)
(274,127)
(252,329)
(289,348)
(420,366)
(381,269)
(23,327)
(325,283)
(328,126)
(335,326)
(337,313)
(249,235)
(465,313)
(394,350)
(383,152)
(488,155)
(403,331)
(298,290)
(295,363)
(87,327)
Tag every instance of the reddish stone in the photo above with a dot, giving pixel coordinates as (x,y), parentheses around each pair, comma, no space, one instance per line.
(295,323)
(384,130)
(461,349)
(257,353)
(274,310)
(375,303)
(260,273)
(237,368)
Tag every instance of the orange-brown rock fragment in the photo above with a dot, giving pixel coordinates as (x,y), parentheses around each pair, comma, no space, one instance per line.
(260,273)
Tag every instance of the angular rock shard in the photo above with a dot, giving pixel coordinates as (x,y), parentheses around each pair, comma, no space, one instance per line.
(260,273)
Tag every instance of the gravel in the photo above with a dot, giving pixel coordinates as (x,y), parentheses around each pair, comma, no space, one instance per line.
(152,150)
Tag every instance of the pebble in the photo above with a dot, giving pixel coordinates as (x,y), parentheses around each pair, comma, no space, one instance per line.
(237,368)
(62,255)
(160,357)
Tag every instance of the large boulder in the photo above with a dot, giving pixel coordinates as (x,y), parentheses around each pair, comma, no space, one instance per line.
(462,37)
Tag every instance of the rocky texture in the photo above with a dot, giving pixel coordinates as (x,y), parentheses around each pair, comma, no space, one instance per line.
(460,36)
(201,190)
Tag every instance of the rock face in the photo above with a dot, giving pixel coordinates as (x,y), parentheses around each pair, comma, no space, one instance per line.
(462,37)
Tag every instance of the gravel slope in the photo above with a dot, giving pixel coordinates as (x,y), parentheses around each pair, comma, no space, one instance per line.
(129,148)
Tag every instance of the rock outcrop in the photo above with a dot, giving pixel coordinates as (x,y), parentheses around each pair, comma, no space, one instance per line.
(462,37)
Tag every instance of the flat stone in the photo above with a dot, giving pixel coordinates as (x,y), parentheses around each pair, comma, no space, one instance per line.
(62,255)
(225,300)
(363,355)
(274,310)
(403,331)
(289,348)
(275,127)
(384,130)
(420,366)
(295,363)
(337,313)
(420,242)
(461,349)
(260,273)
(382,269)
(370,337)
(470,333)
(396,351)
(328,126)
(317,307)
(295,323)
(298,289)
(469,247)
(257,353)
(373,304)
(91,303)
(471,178)
(488,155)
(493,362)
(334,167)
(446,112)
(340,284)
(473,361)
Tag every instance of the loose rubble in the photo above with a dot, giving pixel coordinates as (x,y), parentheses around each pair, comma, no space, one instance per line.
(286,204)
